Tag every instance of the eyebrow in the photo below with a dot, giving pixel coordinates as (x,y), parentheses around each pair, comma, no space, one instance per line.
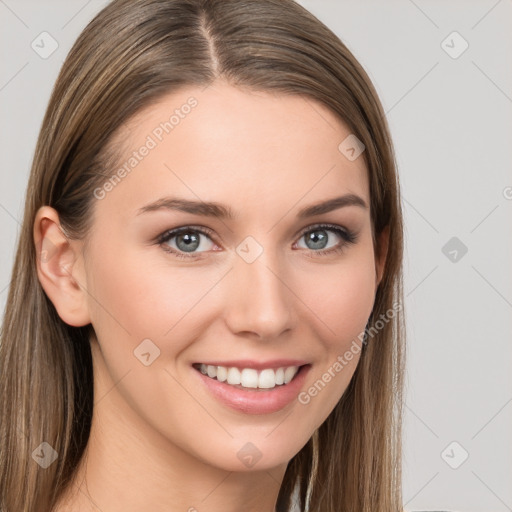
(220,211)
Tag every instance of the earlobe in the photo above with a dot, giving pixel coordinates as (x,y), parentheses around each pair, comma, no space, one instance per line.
(381,255)
(58,270)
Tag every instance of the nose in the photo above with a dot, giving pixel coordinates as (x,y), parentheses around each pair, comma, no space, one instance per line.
(260,301)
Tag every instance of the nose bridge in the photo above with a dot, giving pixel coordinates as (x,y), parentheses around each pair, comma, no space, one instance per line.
(260,301)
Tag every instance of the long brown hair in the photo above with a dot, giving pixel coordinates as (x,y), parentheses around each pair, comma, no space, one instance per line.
(130,55)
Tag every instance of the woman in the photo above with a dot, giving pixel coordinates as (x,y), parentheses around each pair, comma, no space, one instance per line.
(205,307)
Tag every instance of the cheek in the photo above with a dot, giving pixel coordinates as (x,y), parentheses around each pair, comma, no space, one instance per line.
(131,299)
(341,298)
(341,308)
(151,300)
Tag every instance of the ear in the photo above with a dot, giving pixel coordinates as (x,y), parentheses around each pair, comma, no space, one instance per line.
(381,255)
(58,268)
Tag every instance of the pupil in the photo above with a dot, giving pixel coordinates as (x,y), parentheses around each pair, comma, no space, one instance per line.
(188,239)
(321,238)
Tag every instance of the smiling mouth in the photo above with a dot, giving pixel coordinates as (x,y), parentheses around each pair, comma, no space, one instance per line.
(249,378)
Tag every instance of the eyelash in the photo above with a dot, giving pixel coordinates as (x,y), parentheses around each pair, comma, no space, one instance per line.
(348,236)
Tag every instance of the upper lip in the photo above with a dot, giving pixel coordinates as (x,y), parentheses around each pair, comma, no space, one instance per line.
(256,365)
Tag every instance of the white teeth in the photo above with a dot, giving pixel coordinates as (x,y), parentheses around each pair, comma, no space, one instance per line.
(249,377)
(267,379)
(222,373)
(289,373)
(233,376)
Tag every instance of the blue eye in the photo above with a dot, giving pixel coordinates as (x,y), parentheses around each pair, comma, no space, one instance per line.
(318,235)
(187,240)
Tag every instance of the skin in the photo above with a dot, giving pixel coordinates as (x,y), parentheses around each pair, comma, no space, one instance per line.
(159,440)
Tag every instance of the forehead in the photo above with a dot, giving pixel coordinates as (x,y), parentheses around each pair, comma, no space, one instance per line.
(225,144)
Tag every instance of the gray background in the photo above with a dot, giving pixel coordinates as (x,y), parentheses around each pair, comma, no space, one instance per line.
(451,123)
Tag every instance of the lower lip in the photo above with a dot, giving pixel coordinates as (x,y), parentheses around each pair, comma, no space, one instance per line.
(256,401)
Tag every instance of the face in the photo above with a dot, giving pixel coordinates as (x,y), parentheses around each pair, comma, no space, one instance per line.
(273,285)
